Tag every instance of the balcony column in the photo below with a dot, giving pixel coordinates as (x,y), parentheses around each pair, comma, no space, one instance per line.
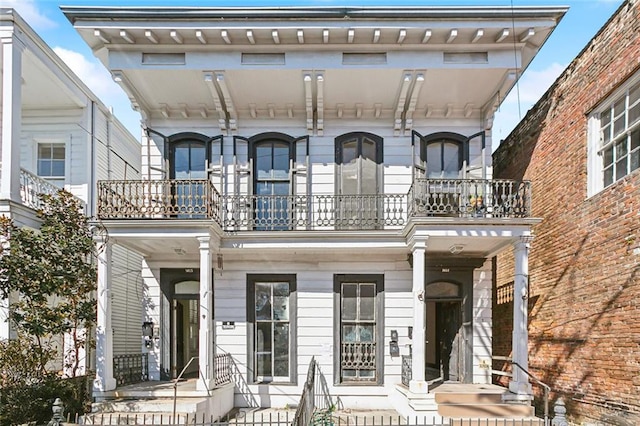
(12,48)
(418,383)
(206,344)
(519,383)
(104,380)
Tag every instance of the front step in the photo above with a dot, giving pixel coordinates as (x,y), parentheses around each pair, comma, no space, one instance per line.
(480,405)
(151,411)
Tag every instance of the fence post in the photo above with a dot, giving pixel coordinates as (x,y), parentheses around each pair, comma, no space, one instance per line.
(58,413)
(559,419)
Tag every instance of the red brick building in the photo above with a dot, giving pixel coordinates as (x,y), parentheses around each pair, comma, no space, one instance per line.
(580,148)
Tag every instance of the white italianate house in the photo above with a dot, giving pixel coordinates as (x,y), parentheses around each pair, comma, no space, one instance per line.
(57,134)
(316,182)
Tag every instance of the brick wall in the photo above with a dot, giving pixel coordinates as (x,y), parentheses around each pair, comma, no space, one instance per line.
(584,318)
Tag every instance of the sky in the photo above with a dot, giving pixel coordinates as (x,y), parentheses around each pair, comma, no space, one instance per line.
(579,25)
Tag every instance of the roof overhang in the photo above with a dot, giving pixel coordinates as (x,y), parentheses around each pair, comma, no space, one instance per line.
(307,67)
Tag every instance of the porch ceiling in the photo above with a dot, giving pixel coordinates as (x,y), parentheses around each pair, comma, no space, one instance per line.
(311,65)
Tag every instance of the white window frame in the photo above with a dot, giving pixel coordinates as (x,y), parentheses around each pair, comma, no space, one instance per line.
(596,138)
(56,180)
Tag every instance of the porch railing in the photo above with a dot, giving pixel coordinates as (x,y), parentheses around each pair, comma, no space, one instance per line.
(470,198)
(181,199)
(130,368)
(407,374)
(222,369)
(151,199)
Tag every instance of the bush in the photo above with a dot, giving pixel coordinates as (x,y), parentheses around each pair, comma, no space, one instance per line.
(27,392)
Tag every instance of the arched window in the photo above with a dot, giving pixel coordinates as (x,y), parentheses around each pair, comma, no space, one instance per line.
(441,155)
(359,162)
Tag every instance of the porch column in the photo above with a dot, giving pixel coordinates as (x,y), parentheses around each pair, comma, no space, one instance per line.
(418,383)
(12,48)
(105,380)
(519,383)
(206,345)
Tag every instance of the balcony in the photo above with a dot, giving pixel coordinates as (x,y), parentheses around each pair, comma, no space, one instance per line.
(198,199)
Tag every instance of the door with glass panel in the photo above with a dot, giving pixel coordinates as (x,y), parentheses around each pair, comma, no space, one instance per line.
(189,158)
(185,328)
(359,180)
(271,331)
(272,185)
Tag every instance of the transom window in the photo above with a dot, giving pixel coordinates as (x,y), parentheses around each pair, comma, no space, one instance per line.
(359,328)
(271,304)
(620,135)
(51,160)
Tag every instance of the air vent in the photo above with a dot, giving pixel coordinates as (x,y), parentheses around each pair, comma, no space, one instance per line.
(163,59)
(263,59)
(466,58)
(364,58)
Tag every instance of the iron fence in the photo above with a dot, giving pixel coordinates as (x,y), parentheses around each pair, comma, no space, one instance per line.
(285,418)
(130,368)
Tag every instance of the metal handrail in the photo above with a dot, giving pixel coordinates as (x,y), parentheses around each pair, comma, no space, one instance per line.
(177,379)
(546,387)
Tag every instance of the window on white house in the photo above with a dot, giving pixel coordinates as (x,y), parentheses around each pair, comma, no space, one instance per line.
(618,140)
(271,313)
(51,161)
(358,328)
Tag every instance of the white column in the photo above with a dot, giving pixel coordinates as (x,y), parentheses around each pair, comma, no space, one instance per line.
(104,333)
(206,344)
(12,48)
(519,383)
(418,383)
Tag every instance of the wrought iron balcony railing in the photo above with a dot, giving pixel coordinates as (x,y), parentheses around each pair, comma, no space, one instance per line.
(31,186)
(186,199)
(470,198)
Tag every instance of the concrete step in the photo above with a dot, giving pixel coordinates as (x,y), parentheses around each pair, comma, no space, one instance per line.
(468,397)
(483,411)
(155,405)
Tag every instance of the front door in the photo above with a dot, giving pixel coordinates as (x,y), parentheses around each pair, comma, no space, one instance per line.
(444,360)
(185,329)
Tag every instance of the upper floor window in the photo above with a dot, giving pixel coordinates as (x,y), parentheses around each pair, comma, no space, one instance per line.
(439,156)
(359,161)
(615,137)
(51,161)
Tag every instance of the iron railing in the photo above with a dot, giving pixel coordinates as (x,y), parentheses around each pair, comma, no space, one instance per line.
(315,398)
(470,198)
(152,199)
(358,356)
(407,373)
(222,365)
(130,368)
(162,199)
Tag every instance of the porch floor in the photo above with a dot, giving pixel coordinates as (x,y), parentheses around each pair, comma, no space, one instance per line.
(156,389)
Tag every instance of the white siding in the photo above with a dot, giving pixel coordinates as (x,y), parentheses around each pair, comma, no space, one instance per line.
(315,321)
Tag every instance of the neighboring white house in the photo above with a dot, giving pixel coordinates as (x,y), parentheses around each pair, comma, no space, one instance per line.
(57,134)
(317,182)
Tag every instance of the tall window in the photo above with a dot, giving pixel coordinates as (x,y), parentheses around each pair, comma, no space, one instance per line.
(189,158)
(439,156)
(619,122)
(359,328)
(272,183)
(359,161)
(51,161)
(271,308)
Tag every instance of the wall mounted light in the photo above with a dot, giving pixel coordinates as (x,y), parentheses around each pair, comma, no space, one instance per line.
(456,248)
